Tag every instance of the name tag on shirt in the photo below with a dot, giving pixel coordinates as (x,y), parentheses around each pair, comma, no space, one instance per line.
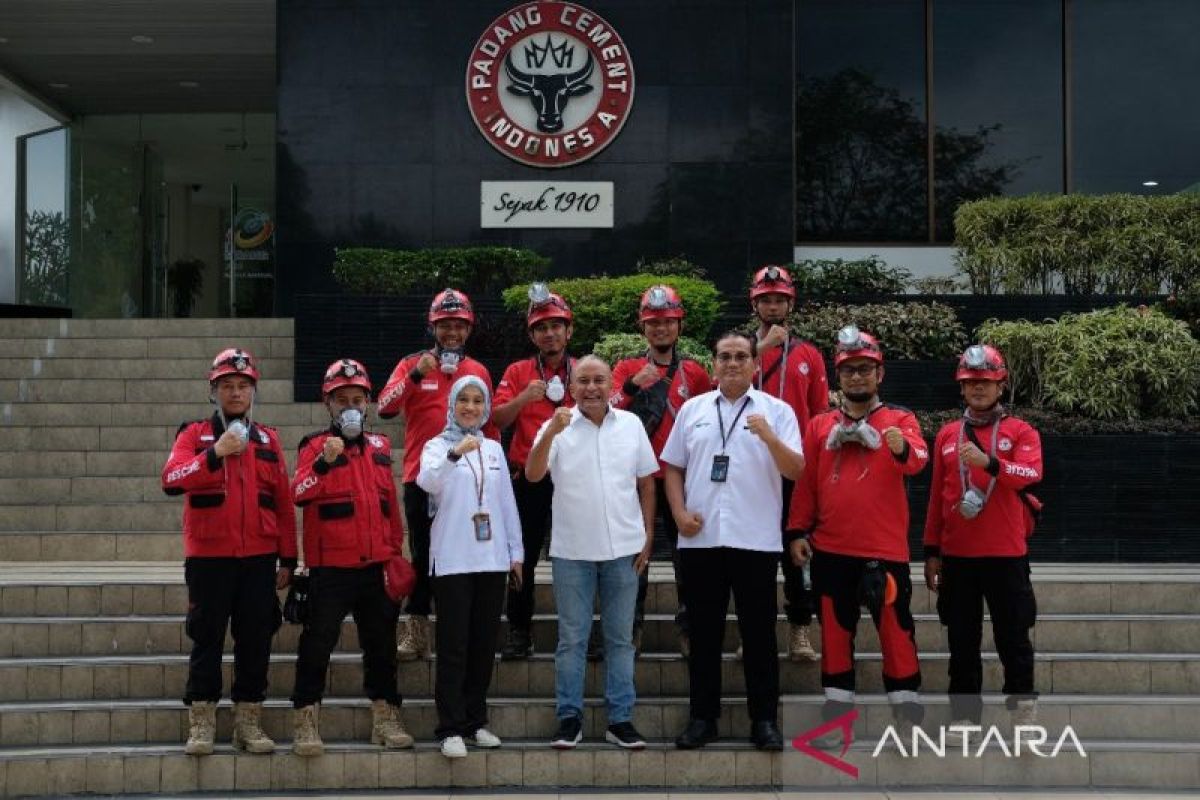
(429,386)
(206,437)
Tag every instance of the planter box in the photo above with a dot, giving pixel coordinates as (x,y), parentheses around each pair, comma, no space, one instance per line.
(1107,498)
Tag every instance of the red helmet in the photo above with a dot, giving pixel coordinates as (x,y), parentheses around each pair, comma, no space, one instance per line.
(772,279)
(981,362)
(545,304)
(345,372)
(234,361)
(451,304)
(853,343)
(660,302)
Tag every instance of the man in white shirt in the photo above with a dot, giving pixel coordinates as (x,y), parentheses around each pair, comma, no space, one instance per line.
(603,515)
(726,458)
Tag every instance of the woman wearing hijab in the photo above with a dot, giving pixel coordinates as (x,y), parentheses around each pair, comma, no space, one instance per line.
(475,543)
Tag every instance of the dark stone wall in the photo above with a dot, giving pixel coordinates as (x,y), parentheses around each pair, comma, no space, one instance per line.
(376,146)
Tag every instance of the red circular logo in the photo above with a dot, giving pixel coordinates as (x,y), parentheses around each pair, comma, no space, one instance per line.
(550,84)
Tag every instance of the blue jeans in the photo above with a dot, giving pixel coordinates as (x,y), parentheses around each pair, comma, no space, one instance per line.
(575,584)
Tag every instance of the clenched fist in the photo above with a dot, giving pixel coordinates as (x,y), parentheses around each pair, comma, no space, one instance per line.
(646,376)
(229,444)
(535,391)
(426,364)
(560,420)
(776,335)
(467,444)
(894,439)
(689,523)
(332,449)
(759,426)
(971,455)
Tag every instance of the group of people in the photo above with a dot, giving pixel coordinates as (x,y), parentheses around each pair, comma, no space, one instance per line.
(749,469)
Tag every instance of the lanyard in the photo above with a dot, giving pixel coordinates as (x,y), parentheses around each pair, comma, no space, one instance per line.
(782,364)
(566,365)
(721,421)
(477,476)
(964,472)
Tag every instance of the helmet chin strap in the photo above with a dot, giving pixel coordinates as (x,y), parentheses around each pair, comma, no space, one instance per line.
(248,416)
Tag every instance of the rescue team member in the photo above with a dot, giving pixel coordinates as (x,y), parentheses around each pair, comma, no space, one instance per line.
(352,528)
(724,460)
(527,396)
(792,370)
(979,519)
(849,514)
(603,467)
(654,387)
(239,545)
(476,543)
(419,387)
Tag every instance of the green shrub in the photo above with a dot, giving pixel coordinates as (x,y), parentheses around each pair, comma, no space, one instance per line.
(674,265)
(1185,306)
(616,346)
(610,305)
(863,276)
(907,331)
(371,270)
(1048,421)
(1079,244)
(1115,363)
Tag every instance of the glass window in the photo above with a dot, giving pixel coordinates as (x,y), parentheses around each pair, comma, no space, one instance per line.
(1134,117)
(861,168)
(997,89)
(44,237)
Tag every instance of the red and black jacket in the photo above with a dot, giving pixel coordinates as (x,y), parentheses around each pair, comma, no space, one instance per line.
(236,506)
(351,514)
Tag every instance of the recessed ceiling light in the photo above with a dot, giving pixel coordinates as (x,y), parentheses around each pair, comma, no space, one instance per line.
(60,86)
(1149,183)
(141,39)
(188,84)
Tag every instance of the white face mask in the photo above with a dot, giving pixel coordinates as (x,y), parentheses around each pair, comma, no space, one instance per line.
(350,423)
(239,429)
(555,391)
(449,361)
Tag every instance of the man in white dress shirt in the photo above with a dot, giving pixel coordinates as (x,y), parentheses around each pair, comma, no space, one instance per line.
(603,515)
(725,459)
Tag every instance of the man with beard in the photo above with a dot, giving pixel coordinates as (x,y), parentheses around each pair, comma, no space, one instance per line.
(527,396)
(655,386)
(419,387)
(849,514)
(979,519)
(724,460)
(792,370)
(603,467)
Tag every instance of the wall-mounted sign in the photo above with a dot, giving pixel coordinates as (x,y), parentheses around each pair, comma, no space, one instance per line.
(545,204)
(549,84)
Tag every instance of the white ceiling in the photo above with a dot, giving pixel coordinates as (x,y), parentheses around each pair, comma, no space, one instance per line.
(227,47)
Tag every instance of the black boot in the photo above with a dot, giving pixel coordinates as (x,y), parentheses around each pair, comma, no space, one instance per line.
(518,645)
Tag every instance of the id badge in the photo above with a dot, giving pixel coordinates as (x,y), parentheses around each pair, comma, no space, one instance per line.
(720,469)
(483,527)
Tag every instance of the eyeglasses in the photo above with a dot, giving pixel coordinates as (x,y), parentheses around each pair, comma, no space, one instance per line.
(738,358)
(862,370)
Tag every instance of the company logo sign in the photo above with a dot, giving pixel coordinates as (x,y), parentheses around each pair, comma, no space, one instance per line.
(550,84)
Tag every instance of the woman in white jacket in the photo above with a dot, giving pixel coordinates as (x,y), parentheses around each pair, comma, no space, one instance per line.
(474,544)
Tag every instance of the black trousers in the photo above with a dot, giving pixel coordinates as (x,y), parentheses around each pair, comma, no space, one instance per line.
(468,621)
(533,507)
(710,575)
(663,509)
(333,593)
(221,591)
(1004,584)
(416,512)
(798,601)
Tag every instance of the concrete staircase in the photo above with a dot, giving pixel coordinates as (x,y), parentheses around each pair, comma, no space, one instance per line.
(93,657)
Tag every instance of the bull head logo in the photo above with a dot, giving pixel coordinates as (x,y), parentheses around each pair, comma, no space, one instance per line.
(549,94)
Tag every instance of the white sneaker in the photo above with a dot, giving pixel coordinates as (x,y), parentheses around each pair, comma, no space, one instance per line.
(484,738)
(454,747)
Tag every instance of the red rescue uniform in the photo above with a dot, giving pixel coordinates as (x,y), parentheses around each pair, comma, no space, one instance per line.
(1003,527)
(532,415)
(351,518)
(802,384)
(691,380)
(236,506)
(424,404)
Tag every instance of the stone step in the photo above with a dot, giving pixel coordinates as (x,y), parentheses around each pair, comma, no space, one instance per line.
(144,369)
(72,443)
(133,393)
(169,345)
(97,546)
(140,635)
(157,676)
(128,722)
(350,766)
(145,328)
(31,587)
